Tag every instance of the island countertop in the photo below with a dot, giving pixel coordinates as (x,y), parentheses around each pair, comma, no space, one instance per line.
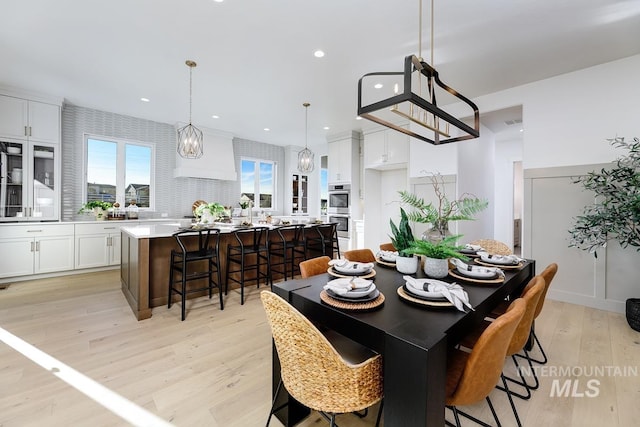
(151,230)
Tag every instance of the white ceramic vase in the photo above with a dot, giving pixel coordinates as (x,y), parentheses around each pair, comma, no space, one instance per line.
(407,265)
(436,268)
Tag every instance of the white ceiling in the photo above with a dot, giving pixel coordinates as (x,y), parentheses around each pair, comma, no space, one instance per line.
(255,57)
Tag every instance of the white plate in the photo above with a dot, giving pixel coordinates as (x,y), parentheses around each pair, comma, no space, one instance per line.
(498,259)
(43,154)
(353,268)
(388,256)
(478,272)
(361,291)
(13,150)
(424,293)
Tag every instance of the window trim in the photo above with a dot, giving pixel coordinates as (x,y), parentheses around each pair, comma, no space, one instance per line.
(120,172)
(256,183)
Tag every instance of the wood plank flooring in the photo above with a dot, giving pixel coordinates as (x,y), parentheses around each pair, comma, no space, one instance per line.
(213,369)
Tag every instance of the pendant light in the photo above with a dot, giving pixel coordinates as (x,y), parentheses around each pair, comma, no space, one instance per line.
(190,137)
(417,100)
(305,157)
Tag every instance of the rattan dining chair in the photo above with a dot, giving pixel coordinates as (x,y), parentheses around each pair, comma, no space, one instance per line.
(314,371)
(472,376)
(494,247)
(314,266)
(360,255)
(387,247)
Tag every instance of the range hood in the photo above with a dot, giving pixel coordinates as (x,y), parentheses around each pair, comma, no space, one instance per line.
(217,162)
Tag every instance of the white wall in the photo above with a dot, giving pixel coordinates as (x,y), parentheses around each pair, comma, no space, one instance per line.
(507,152)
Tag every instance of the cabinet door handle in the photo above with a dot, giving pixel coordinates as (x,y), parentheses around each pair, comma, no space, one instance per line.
(38,246)
(34,231)
(25,131)
(108,228)
(109,243)
(31,246)
(29,130)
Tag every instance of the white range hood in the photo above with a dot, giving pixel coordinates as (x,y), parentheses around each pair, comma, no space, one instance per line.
(217,162)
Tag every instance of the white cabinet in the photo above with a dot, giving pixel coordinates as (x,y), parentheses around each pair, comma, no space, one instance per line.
(35,249)
(29,120)
(386,149)
(97,245)
(340,161)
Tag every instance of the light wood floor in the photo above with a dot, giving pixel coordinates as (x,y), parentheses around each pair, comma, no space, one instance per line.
(214,368)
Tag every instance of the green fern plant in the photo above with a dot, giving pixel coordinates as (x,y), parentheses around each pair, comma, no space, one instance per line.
(445,248)
(402,234)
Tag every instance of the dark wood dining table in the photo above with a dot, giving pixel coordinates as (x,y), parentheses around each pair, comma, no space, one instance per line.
(412,339)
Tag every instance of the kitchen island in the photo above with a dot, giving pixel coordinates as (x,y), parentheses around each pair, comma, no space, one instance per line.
(144,267)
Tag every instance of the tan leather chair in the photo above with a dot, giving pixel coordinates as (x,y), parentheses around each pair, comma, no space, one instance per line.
(360,255)
(494,247)
(314,266)
(472,376)
(314,371)
(387,247)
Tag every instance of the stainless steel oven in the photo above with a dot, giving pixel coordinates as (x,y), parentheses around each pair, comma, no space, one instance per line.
(339,199)
(343,224)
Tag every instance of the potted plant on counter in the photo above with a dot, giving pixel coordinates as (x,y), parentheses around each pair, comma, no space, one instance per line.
(438,216)
(615,215)
(209,212)
(96,207)
(437,254)
(402,238)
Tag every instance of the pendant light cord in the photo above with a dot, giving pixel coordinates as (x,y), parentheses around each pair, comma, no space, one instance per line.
(190,90)
(306,124)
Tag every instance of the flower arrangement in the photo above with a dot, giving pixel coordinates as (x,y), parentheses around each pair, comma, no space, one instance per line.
(209,211)
(96,207)
(244,201)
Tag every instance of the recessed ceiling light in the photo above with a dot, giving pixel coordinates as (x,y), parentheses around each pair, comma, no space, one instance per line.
(215,117)
(358,118)
(218,1)
(267,129)
(326,128)
(521,130)
(318,54)
(378,86)
(144,99)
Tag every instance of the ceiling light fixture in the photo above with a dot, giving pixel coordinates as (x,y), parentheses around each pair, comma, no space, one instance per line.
(190,144)
(305,157)
(427,121)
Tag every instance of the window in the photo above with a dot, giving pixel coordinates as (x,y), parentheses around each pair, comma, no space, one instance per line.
(258,177)
(119,171)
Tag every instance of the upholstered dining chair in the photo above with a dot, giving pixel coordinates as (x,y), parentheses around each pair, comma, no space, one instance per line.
(322,376)
(360,255)
(387,247)
(494,247)
(547,274)
(472,376)
(314,266)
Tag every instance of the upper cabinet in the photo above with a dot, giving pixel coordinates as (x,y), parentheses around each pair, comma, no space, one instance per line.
(217,161)
(386,149)
(32,120)
(344,158)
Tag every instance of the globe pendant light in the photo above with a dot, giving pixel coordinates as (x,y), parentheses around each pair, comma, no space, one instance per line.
(305,157)
(190,137)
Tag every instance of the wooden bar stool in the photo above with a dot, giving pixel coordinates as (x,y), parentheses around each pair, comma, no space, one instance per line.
(250,253)
(283,249)
(205,260)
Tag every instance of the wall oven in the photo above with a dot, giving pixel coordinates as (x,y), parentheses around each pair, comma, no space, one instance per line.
(339,199)
(343,222)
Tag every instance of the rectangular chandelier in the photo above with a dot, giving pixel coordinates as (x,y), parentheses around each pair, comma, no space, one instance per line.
(416,93)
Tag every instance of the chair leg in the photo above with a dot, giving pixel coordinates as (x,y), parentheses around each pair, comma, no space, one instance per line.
(493,412)
(170,282)
(219,276)
(513,406)
(273,403)
(226,275)
(536,341)
(242,279)
(183,297)
(379,413)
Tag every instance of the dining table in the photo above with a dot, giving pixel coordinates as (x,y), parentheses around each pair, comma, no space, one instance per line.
(413,339)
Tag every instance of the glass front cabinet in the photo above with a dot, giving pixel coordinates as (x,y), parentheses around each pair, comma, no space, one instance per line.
(299,193)
(29,181)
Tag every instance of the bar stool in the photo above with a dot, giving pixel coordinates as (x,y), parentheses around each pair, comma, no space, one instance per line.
(323,239)
(288,243)
(253,248)
(206,260)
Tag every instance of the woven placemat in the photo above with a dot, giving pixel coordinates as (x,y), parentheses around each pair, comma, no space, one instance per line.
(502,266)
(435,304)
(385,263)
(499,279)
(354,306)
(334,273)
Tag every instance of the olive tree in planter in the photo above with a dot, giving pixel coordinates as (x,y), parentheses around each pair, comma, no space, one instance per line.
(615,215)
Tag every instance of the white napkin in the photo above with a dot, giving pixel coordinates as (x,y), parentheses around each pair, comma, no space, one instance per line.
(389,256)
(466,267)
(343,286)
(504,259)
(471,247)
(453,292)
(346,266)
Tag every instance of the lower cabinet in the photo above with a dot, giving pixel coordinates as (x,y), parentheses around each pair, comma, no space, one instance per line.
(36,249)
(97,245)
